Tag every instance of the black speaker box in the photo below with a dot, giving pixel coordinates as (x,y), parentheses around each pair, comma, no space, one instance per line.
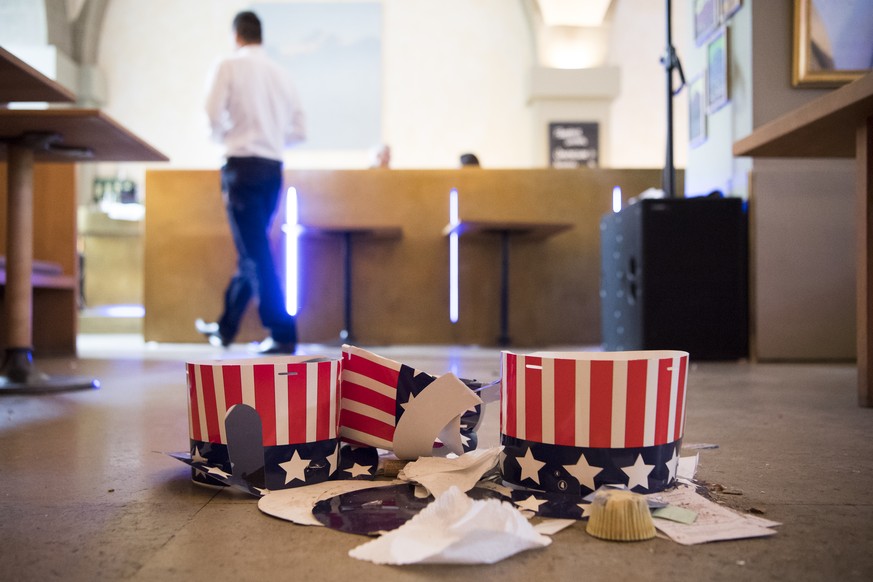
(674,275)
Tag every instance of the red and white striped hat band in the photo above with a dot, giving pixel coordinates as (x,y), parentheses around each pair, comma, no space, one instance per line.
(392,406)
(297,397)
(596,399)
(368,398)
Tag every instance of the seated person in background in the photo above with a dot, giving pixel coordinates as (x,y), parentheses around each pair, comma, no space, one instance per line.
(381,157)
(469,160)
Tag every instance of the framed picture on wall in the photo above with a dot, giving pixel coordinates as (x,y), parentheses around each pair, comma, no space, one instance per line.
(706,19)
(728,8)
(697,110)
(717,69)
(833,42)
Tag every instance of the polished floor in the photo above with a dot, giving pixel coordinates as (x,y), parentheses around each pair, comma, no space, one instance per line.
(85,493)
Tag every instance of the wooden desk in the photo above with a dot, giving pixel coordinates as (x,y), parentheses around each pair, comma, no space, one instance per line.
(346,234)
(21,82)
(837,125)
(504,229)
(57,135)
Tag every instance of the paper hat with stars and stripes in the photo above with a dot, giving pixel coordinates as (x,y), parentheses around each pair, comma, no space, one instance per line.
(392,406)
(264,423)
(573,421)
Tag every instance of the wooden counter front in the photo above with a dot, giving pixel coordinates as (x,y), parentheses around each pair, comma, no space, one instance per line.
(401,287)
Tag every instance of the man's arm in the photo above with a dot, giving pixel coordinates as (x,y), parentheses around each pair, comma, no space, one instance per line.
(216,101)
(295,132)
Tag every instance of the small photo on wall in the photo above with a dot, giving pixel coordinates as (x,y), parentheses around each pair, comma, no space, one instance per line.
(717,69)
(697,110)
(706,19)
(728,8)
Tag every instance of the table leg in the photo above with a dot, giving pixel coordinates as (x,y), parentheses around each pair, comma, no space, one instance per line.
(18,374)
(864,195)
(346,333)
(503,338)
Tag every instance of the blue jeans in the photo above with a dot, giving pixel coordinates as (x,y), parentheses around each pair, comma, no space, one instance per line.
(251,187)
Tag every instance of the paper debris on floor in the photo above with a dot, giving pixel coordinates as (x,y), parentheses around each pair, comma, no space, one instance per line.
(687,466)
(713,522)
(438,474)
(549,527)
(296,504)
(677,514)
(455,529)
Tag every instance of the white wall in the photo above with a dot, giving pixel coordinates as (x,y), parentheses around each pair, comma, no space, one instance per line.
(453,74)
(638,132)
(455,79)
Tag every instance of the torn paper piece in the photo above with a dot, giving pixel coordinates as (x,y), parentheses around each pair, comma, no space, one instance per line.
(674,513)
(439,406)
(296,505)
(687,467)
(437,474)
(549,527)
(698,446)
(713,523)
(502,490)
(455,529)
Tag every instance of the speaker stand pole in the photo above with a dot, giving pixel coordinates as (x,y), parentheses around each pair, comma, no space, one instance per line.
(670,62)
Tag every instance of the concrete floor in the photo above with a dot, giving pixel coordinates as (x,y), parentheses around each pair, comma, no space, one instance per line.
(84,495)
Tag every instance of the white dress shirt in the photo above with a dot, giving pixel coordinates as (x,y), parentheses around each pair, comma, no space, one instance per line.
(253,107)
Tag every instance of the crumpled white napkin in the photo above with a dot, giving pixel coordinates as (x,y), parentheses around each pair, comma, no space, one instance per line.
(455,529)
(437,474)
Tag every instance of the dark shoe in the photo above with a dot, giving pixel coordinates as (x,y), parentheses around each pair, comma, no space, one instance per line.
(271,347)
(210,330)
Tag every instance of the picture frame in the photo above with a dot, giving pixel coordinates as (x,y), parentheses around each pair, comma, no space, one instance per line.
(717,72)
(697,107)
(706,19)
(729,8)
(831,46)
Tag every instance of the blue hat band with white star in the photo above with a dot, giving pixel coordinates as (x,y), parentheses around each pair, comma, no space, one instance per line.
(284,466)
(581,470)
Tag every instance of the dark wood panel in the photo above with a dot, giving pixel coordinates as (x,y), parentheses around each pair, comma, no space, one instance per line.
(21,82)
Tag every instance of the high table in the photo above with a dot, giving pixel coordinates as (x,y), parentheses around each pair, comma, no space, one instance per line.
(56,135)
(505,230)
(21,82)
(836,125)
(346,234)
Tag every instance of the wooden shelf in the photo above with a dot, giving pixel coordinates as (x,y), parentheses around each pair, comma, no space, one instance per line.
(836,125)
(44,281)
(824,128)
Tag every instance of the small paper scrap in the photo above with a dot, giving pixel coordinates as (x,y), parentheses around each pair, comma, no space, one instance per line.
(674,513)
(438,474)
(713,523)
(549,527)
(687,467)
(455,529)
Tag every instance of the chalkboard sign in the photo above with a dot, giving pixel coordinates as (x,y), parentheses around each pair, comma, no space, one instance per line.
(573,144)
